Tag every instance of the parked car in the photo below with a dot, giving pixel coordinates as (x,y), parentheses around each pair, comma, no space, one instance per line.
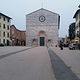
(66,45)
(73,46)
(1,45)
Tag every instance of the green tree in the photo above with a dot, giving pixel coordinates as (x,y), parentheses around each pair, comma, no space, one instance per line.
(72,31)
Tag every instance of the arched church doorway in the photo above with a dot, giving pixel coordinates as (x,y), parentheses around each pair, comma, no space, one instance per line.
(42,38)
(42,41)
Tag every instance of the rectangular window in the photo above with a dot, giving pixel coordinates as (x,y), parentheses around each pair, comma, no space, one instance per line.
(7,27)
(79,15)
(4,41)
(77,33)
(7,34)
(76,17)
(0,33)
(12,31)
(4,18)
(0,25)
(3,34)
(0,16)
(4,26)
(7,20)
(79,23)
(0,41)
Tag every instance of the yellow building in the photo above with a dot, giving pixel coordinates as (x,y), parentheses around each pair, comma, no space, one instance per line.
(5,22)
(77,25)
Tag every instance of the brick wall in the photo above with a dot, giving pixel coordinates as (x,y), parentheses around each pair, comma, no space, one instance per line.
(18,38)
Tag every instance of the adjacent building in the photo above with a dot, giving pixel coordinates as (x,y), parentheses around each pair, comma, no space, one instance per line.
(77,24)
(5,22)
(18,37)
(42,28)
(72,31)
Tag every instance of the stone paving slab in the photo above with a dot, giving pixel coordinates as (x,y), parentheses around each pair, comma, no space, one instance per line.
(61,71)
(12,53)
(10,49)
(70,57)
(32,64)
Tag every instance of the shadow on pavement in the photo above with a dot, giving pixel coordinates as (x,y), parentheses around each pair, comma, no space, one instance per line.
(61,71)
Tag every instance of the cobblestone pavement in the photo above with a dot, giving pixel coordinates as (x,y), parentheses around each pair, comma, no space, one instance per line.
(25,63)
(62,72)
(12,53)
(21,63)
(70,57)
(11,49)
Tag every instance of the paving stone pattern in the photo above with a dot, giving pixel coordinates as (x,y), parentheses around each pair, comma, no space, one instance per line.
(61,71)
(9,54)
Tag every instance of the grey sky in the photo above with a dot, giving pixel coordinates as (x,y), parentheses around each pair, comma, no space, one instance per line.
(17,9)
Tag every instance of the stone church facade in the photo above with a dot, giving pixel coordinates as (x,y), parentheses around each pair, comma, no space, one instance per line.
(42,28)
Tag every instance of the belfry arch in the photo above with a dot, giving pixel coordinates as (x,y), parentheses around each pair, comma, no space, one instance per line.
(42,38)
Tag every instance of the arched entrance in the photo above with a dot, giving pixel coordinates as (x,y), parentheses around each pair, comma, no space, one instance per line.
(42,38)
(42,41)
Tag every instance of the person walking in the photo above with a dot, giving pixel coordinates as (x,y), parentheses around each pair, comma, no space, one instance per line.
(61,45)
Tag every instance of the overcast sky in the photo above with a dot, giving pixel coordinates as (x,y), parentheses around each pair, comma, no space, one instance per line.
(17,9)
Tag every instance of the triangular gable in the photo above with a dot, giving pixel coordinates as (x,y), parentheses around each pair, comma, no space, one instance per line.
(44,10)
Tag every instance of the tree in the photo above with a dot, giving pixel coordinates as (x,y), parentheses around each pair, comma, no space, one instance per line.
(72,31)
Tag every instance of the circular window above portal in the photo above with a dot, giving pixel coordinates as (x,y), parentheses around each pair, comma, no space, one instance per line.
(42,18)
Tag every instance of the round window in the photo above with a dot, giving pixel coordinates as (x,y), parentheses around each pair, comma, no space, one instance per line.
(42,18)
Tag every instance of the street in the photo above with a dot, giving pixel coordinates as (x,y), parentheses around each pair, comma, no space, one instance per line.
(71,58)
(31,64)
(61,70)
(39,63)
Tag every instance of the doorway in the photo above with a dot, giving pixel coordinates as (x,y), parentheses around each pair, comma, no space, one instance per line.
(7,42)
(42,41)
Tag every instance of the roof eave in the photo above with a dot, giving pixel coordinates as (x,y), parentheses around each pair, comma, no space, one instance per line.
(42,9)
(76,13)
(5,15)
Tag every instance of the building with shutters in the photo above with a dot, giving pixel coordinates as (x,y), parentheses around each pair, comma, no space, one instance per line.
(5,22)
(77,25)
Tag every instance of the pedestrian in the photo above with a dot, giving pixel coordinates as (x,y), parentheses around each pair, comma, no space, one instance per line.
(61,45)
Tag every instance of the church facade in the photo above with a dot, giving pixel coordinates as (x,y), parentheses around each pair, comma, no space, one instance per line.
(42,28)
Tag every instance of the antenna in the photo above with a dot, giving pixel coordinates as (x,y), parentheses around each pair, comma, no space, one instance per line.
(42,4)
